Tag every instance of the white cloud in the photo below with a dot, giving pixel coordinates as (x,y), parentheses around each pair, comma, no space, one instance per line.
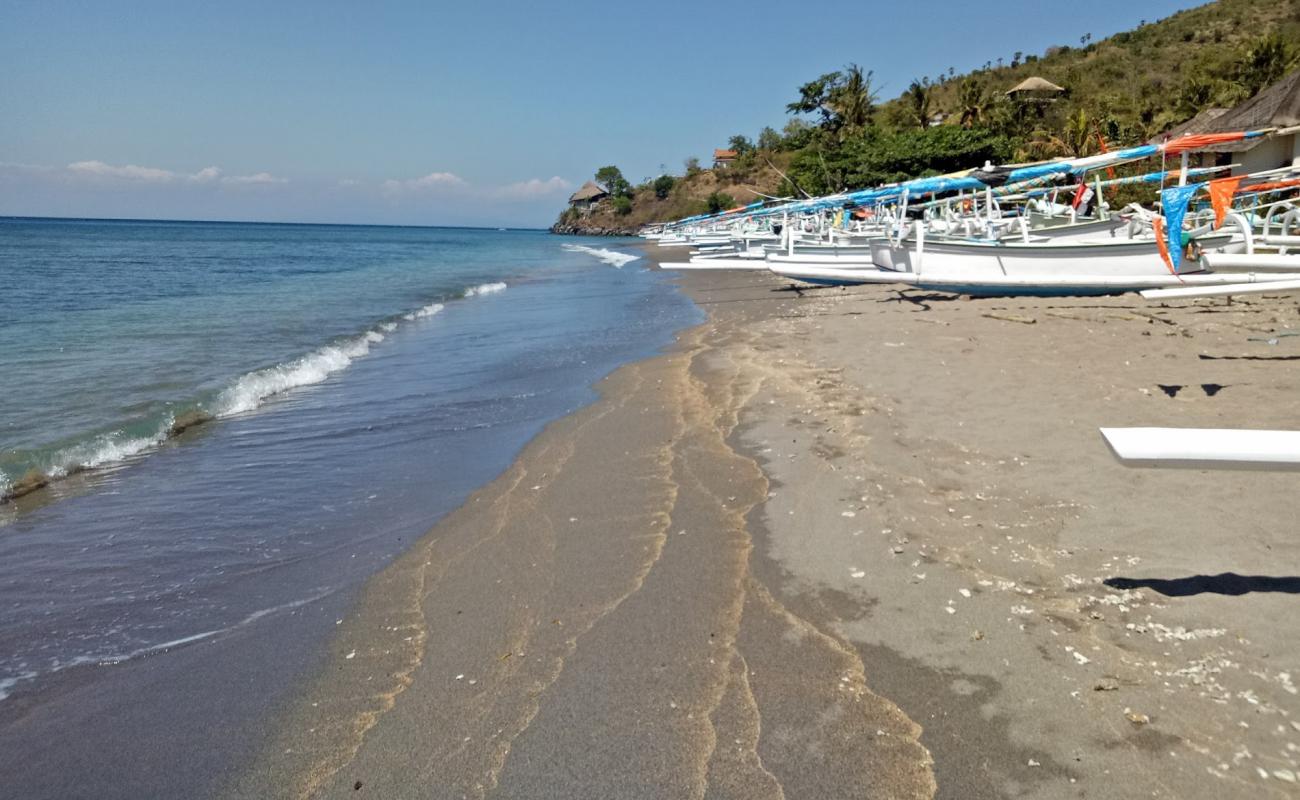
(536,187)
(434,180)
(138,174)
(262,178)
(130,172)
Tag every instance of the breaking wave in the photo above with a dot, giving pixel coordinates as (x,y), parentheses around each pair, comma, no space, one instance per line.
(485,288)
(247,393)
(611,257)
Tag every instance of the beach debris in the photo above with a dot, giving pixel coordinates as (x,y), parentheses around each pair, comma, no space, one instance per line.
(1034,763)
(1271,340)
(356,787)
(950,609)
(854,572)
(964,592)
(351,655)
(897,549)
(976,635)
(848,514)
(1135,717)
(1009,317)
(1106,685)
(1284,775)
(460,677)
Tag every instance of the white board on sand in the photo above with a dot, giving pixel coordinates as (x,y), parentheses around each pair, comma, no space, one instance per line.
(1269,287)
(1216,448)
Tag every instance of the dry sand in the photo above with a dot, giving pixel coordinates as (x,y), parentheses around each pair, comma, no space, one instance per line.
(849,543)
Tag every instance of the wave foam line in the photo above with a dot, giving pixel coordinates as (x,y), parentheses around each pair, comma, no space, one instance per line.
(611,257)
(253,388)
(246,394)
(7,684)
(485,288)
(421,313)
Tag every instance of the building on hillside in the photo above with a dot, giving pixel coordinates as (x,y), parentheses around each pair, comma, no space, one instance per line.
(1278,106)
(587,196)
(1035,89)
(722,158)
(1197,124)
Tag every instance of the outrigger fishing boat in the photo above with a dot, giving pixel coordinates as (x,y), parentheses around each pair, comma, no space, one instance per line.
(969,243)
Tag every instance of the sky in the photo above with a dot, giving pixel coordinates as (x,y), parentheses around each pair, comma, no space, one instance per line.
(436,113)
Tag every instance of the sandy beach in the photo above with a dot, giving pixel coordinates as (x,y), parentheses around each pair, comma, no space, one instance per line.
(848,543)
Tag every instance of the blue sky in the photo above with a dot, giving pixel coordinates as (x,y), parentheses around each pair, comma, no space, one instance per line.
(465,113)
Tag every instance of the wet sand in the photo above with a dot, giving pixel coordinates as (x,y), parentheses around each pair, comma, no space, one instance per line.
(848,543)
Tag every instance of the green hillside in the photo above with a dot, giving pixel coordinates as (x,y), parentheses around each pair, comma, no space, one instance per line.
(836,134)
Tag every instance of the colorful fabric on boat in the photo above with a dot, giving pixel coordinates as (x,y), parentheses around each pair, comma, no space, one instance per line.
(1270,186)
(1196,141)
(1173,201)
(1158,227)
(1221,192)
(1082,196)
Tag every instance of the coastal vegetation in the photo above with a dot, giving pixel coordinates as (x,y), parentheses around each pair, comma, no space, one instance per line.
(837,133)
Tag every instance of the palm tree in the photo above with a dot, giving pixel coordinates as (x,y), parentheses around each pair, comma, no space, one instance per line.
(853,101)
(972,102)
(918,101)
(1077,138)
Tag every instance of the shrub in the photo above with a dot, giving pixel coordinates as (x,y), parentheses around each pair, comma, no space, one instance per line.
(719,201)
(622,205)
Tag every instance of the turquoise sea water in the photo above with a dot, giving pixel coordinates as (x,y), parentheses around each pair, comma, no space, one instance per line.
(361,382)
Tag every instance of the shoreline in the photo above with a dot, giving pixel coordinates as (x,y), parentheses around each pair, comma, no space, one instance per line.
(918,572)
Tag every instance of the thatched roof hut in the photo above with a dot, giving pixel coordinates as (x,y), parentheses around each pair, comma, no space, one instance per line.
(590,192)
(1034,86)
(1278,106)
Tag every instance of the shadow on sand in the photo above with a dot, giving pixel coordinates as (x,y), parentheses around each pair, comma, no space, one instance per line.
(1223,583)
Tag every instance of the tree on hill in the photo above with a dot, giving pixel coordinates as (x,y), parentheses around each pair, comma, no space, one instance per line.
(1076,138)
(663,185)
(972,102)
(769,139)
(918,103)
(843,100)
(1265,61)
(612,179)
(719,201)
(741,144)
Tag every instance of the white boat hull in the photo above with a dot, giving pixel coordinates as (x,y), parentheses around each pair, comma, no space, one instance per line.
(1205,447)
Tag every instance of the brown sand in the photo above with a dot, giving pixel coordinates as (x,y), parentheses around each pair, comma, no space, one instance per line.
(858,543)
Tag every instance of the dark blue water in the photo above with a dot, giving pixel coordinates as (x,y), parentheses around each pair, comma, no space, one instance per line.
(361,380)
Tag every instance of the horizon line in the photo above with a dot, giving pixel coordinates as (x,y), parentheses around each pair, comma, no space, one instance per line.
(267,222)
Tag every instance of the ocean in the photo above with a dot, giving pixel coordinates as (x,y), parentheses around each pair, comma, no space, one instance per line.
(239,423)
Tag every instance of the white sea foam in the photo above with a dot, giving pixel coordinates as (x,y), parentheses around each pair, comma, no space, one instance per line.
(108,449)
(246,394)
(6,684)
(485,288)
(252,389)
(611,257)
(420,313)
